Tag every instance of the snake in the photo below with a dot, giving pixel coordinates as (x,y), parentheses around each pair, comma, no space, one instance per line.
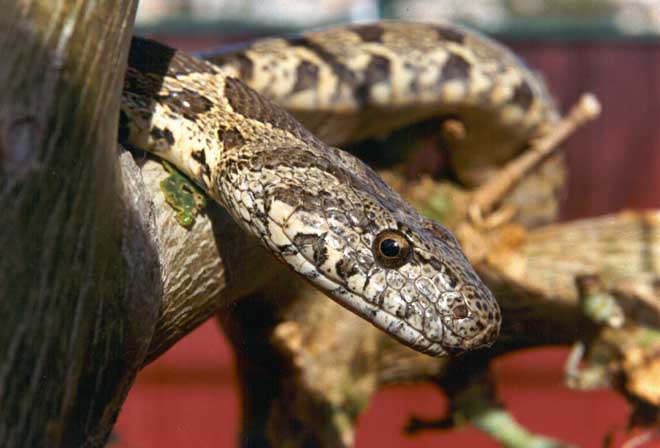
(254,126)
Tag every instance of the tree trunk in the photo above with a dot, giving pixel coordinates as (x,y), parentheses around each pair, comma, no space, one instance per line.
(96,277)
(76,322)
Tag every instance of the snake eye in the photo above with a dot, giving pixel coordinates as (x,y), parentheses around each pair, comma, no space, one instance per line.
(391,249)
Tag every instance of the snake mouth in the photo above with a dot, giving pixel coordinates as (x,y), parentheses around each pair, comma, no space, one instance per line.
(405,333)
(394,326)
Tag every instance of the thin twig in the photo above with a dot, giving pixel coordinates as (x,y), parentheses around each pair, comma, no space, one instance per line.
(486,197)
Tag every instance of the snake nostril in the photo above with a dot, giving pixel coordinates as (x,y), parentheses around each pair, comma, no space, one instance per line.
(460,311)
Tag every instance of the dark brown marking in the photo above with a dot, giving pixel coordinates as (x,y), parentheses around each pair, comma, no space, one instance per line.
(149,62)
(141,84)
(456,67)
(287,249)
(345,268)
(293,196)
(297,157)
(369,33)
(320,251)
(159,134)
(250,104)
(188,103)
(413,86)
(378,70)
(200,157)
(452,279)
(343,73)
(230,138)
(523,95)
(307,75)
(234,56)
(449,34)
(304,239)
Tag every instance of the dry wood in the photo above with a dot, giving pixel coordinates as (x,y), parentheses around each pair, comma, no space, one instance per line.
(485,198)
(69,299)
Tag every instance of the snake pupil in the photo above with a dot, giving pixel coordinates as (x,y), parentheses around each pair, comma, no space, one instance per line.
(390,248)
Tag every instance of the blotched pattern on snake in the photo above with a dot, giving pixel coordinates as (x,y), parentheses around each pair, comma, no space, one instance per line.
(321,211)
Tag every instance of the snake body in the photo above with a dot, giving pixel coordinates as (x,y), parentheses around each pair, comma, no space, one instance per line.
(348,83)
(319,210)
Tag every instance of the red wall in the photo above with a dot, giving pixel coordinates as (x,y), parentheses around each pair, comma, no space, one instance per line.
(188,397)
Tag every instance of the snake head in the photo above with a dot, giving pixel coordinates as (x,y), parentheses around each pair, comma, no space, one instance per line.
(331,218)
(425,292)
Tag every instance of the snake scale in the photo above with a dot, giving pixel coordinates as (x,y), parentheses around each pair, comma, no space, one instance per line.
(321,211)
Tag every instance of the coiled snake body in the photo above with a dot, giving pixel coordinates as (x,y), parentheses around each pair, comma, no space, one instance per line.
(319,210)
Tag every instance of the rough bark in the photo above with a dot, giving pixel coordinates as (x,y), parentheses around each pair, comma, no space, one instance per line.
(75,317)
(96,277)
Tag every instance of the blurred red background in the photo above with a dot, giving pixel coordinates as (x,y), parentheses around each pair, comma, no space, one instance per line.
(188,397)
